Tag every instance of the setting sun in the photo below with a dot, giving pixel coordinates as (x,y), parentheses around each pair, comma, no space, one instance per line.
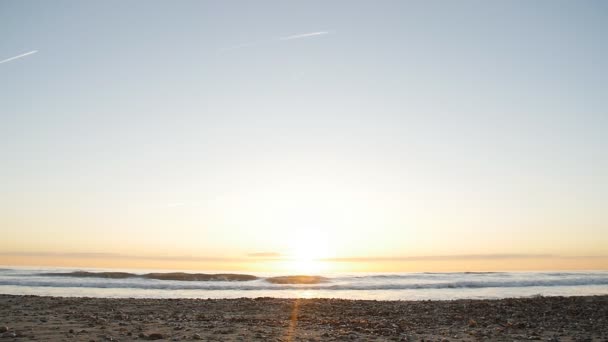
(307,250)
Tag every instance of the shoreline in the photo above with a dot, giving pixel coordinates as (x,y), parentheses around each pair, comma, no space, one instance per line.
(39,318)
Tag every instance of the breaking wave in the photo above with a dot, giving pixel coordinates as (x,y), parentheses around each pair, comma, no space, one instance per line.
(246,282)
(180,276)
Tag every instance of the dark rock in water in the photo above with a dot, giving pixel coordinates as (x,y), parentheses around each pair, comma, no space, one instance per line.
(297,279)
(199,276)
(155,336)
(3,329)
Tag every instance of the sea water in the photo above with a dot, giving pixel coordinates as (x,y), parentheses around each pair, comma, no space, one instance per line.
(378,286)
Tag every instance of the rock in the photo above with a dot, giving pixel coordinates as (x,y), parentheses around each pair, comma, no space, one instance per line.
(196,337)
(472,323)
(156,336)
(71,331)
(3,329)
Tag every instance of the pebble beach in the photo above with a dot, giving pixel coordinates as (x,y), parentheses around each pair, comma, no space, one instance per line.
(39,318)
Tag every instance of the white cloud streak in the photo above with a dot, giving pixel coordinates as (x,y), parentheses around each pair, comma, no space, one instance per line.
(292,37)
(305,35)
(20,56)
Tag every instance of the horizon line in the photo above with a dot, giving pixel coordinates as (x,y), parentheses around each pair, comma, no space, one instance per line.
(277,257)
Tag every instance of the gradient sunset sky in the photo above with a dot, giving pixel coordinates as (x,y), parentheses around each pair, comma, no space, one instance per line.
(262,135)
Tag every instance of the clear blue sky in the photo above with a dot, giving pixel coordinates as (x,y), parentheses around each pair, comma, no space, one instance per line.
(437,127)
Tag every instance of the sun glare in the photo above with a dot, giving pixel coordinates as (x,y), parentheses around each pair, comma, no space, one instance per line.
(307,251)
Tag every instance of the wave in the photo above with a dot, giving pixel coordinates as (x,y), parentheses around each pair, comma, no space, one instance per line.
(325,284)
(483,284)
(180,276)
(200,276)
(298,279)
(85,274)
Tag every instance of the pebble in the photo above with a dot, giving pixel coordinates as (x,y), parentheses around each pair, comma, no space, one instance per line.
(156,336)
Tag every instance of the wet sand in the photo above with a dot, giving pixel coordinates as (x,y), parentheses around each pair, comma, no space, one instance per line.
(24,318)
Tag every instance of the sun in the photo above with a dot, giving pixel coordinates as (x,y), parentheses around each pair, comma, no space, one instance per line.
(307,252)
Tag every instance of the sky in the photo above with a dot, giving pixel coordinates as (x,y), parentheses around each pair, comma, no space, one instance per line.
(304,135)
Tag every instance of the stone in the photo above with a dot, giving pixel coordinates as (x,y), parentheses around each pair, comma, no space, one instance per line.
(156,336)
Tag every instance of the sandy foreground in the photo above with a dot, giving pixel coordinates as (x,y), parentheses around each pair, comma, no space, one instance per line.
(268,319)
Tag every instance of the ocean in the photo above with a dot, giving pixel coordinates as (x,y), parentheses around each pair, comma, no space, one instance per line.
(377,286)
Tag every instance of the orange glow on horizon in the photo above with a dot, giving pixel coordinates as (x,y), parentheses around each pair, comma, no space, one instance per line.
(317,266)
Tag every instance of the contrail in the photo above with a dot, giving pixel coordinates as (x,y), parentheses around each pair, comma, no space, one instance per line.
(20,56)
(305,35)
(252,44)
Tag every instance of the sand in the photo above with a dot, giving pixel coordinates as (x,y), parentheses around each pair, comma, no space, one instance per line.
(25,318)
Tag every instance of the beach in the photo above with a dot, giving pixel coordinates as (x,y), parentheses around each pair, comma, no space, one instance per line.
(44,318)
